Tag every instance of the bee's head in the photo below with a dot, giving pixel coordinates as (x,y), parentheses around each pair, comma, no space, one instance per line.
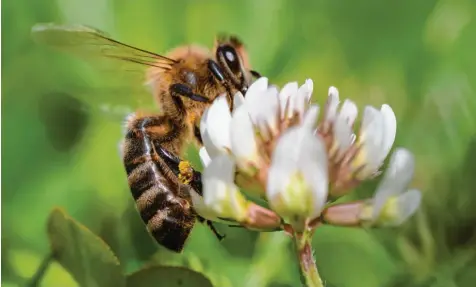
(232,57)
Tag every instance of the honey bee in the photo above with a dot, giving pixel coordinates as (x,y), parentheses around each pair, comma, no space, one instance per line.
(184,83)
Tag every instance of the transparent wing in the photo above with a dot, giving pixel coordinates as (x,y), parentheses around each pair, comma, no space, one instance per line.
(122,66)
(85,40)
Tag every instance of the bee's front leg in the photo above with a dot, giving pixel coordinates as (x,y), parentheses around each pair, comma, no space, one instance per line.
(217,72)
(255,74)
(187,175)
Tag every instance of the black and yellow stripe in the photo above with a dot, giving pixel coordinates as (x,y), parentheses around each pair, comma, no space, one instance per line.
(163,206)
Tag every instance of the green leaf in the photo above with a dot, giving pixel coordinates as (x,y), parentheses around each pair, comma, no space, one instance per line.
(353,252)
(89,260)
(167,276)
(56,275)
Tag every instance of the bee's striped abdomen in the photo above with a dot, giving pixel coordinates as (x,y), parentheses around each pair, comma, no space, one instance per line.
(156,190)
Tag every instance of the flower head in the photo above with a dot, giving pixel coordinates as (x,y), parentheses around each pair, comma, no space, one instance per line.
(273,140)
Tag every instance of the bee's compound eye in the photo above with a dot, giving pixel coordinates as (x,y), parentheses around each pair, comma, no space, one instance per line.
(231,58)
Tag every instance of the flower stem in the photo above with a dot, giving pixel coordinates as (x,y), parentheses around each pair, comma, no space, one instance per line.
(307,263)
(38,276)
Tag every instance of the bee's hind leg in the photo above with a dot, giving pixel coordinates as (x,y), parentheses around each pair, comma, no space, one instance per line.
(182,169)
(187,175)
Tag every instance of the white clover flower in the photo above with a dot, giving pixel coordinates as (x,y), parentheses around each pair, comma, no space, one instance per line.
(214,128)
(393,203)
(204,156)
(293,100)
(354,158)
(297,181)
(255,118)
(223,202)
(262,104)
(377,135)
(273,140)
(244,144)
(221,197)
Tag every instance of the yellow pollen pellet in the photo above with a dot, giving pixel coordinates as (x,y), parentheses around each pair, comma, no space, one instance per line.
(184,167)
(186,174)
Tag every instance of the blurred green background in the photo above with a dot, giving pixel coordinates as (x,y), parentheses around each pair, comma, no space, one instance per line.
(59,149)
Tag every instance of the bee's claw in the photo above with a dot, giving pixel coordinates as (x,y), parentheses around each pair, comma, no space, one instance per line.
(215,231)
(255,74)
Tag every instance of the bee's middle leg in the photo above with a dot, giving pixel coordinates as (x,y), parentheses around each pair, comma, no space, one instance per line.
(187,175)
(212,227)
(185,91)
